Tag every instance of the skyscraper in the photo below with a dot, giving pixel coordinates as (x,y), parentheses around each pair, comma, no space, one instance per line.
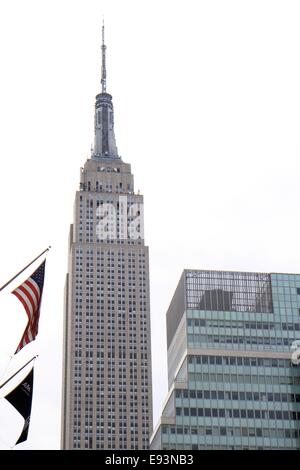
(232,384)
(107,390)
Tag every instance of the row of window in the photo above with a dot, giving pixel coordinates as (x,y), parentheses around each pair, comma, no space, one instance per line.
(89,252)
(229,431)
(101,294)
(244,378)
(230,395)
(130,276)
(117,187)
(122,241)
(110,389)
(244,340)
(238,413)
(198,322)
(111,428)
(79,353)
(110,303)
(112,264)
(110,289)
(111,351)
(108,169)
(112,445)
(91,329)
(226,447)
(110,255)
(239,361)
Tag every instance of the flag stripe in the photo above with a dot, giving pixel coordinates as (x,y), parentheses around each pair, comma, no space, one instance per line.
(21,345)
(29,300)
(22,342)
(30,294)
(33,285)
(28,333)
(24,301)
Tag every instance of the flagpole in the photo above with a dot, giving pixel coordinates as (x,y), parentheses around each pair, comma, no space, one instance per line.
(22,270)
(1,386)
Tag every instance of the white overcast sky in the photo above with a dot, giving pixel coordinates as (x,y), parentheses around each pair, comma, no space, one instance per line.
(207,111)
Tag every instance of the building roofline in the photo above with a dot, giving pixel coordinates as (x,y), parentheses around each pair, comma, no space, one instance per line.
(237,271)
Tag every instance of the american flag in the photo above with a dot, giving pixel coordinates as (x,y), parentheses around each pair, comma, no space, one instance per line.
(30,295)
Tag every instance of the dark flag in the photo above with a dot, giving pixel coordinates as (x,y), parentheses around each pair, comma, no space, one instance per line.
(30,295)
(21,399)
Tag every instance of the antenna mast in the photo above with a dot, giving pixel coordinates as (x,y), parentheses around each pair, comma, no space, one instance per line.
(103,68)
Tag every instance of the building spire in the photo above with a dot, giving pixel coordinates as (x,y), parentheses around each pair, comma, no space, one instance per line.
(105,141)
(103,68)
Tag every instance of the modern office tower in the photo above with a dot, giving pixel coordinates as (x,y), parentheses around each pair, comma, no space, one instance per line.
(232,384)
(107,391)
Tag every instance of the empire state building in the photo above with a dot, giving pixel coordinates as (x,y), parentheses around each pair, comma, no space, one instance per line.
(107,389)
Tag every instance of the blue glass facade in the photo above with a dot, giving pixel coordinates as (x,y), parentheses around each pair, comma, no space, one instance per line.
(231,381)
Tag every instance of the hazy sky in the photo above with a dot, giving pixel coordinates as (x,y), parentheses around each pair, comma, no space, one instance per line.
(207,111)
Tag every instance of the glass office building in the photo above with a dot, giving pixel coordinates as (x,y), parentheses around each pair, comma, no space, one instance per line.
(232,384)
